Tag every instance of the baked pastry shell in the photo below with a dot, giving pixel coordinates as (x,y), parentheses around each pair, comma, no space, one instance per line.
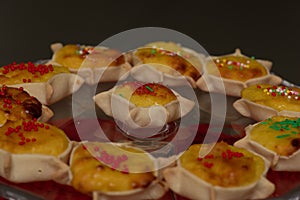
(186,184)
(211,83)
(259,112)
(277,162)
(94,75)
(148,73)
(40,167)
(154,191)
(139,117)
(53,90)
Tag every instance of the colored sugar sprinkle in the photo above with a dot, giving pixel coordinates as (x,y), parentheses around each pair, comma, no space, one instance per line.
(149,88)
(285,125)
(36,70)
(281,91)
(232,64)
(283,136)
(153,51)
(83,51)
(226,155)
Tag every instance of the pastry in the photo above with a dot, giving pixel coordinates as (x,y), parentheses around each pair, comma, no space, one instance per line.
(94,64)
(262,101)
(44,147)
(227,172)
(138,104)
(114,171)
(231,73)
(16,104)
(48,83)
(277,139)
(168,63)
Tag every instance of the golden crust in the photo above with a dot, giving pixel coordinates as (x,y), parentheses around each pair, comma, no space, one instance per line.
(168,59)
(45,148)
(47,83)
(29,73)
(238,68)
(90,174)
(224,166)
(277,97)
(230,180)
(93,64)
(237,72)
(134,116)
(276,139)
(73,56)
(115,171)
(279,134)
(31,137)
(145,95)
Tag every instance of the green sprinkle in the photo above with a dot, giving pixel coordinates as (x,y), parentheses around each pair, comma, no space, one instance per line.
(153,51)
(121,95)
(241,67)
(283,136)
(264,122)
(252,57)
(230,67)
(149,88)
(275,127)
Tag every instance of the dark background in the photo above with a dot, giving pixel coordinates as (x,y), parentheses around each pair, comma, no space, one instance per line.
(268,30)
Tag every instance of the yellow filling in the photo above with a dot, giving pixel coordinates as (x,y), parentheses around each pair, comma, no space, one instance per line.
(277,97)
(76,56)
(279,134)
(145,95)
(21,73)
(91,174)
(168,62)
(224,166)
(30,137)
(236,68)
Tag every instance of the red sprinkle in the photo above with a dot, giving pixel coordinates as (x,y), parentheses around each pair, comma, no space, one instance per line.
(208,165)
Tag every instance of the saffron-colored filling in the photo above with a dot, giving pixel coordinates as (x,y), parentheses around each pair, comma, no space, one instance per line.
(237,68)
(279,134)
(224,166)
(32,137)
(277,97)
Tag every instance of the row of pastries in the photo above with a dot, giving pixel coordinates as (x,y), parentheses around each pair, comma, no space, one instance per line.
(109,170)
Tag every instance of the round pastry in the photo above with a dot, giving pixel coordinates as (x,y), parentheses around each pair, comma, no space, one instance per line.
(42,145)
(231,73)
(114,171)
(48,83)
(138,104)
(277,139)
(145,95)
(262,101)
(94,64)
(16,104)
(168,63)
(227,172)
